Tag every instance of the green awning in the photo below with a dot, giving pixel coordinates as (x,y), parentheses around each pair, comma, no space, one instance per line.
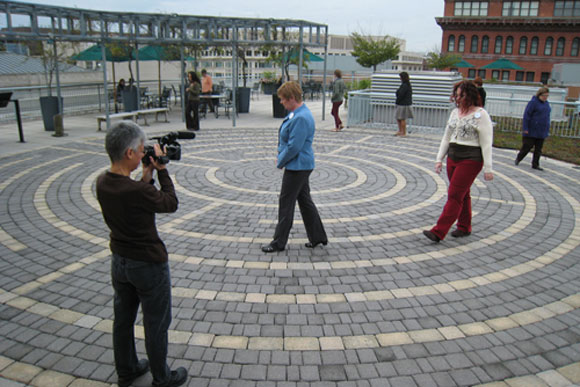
(502,64)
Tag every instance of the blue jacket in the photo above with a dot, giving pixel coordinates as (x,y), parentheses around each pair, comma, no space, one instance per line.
(295,141)
(536,119)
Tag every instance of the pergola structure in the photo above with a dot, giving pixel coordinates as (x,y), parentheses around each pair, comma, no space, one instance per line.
(54,24)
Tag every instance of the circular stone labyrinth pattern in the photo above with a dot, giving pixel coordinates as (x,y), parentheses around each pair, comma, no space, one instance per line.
(380,305)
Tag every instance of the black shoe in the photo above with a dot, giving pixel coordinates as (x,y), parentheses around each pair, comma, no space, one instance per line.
(538,168)
(460,233)
(517,161)
(142,369)
(431,236)
(176,378)
(271,248)
(312,245)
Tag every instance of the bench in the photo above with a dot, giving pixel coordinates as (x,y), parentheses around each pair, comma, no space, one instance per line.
(121,116)
(145,112)
(134,115)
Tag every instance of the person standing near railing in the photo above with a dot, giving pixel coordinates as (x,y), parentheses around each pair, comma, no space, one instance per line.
(338,89)
(404,101)
(536,127)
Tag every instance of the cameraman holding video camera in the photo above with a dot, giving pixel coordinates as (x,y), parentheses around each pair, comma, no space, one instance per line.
(140,269)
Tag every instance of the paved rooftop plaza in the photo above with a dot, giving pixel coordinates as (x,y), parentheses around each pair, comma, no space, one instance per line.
(379,306)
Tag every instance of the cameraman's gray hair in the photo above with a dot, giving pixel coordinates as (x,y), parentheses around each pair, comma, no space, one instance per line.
(122,136)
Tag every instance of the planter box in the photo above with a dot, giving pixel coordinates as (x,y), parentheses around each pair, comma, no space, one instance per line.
(269,88)
(49,109)
(243,95)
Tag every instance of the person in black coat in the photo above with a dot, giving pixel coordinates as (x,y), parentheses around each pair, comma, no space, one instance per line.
(536,127)
(404,101)
(482,94)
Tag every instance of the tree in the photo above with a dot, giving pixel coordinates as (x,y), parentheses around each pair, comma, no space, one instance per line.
(371,52)
(440,61)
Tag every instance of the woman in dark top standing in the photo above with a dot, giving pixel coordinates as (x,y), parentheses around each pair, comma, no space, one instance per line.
(192,109)
(404,102)
(482,94)
(536,124)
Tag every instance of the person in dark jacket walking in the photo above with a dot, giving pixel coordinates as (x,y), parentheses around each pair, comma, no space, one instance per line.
(482,94)
(338,90)
(536,127)
(404,101)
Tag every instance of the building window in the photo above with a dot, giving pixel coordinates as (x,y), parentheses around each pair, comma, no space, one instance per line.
(544,78)
(485,44)
(530,76)
(560,47)
(451,43)
(494,74)
(474,43)
(471,73)
(519,76)
(461,44)
(505,75)
(567,8)
(523,45)
(481,73)
(574,49)
(470,8)
(548,46)
(498,44)
(534,46)
(520,8)
(509,45)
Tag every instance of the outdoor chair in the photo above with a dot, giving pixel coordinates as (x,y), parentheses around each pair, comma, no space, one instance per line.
(164,98)
(255,90)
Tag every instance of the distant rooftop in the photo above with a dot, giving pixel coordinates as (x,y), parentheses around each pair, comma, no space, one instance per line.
(12,64)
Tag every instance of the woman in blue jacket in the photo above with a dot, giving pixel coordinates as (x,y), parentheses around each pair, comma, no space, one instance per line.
(536,127)
(296,157)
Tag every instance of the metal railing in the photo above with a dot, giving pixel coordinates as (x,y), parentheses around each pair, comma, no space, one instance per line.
(366,108)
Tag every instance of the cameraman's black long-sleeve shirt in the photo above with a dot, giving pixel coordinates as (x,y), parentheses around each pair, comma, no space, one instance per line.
(129,209)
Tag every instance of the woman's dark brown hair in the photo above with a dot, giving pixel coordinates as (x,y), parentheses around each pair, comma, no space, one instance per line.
(469,93)
(404,76)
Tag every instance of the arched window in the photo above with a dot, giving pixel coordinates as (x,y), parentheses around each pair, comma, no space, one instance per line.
(575,46)
(485,44)
(461,44)
(548,46)
(509,45)
(498,44)
(560,47)
(534,46)
(451,43)
(474,43)
(523,45)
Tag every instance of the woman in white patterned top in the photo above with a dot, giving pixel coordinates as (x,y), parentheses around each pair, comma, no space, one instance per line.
(467,143)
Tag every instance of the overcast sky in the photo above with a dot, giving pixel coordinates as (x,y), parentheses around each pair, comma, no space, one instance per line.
(412,20)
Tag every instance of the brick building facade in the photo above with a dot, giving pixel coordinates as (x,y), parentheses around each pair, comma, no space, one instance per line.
(532,34)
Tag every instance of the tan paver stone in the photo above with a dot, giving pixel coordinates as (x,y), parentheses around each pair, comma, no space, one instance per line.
(378,295)
(396,338)
(201,339)
(330,298)
(257,265)
(5,362)
(231,296)
(21,372)
(343,265)
(266,343)
(52,378)
(257,298)
(66,316)
(322,266)
(22,303)
(104,326)
(559,307)
(451,333)
(573,301)
(42,309)
(571,372)
(178,337)
(331,344)
(301,344)
(502,323)
(474,329)
(493,384)
(495,277)
(526,381)
(355,297)
(423,290)
(194,261)
(306,299)
(443,288)
(462,284)
(7,296)
(27,288)
(553,378)
(72,268)
(524,318)
(206,295)
(183,292)
(140,332)
(235,264)
(230,342)
(401,293)
(278,266)
(281,299)
(360,342)
(88,321)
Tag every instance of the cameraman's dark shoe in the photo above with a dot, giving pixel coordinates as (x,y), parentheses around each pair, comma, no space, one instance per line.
(176,378)
(142,369)
(271,248)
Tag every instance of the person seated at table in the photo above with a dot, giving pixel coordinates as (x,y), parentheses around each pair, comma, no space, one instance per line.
(207,89)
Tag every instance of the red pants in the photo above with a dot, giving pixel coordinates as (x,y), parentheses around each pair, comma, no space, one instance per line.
(461,175)
(334,113)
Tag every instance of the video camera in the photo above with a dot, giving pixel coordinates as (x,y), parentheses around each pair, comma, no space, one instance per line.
(171,146)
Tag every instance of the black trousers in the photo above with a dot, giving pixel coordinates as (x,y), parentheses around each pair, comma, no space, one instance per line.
(295,187)
(527,144)
(192,115)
